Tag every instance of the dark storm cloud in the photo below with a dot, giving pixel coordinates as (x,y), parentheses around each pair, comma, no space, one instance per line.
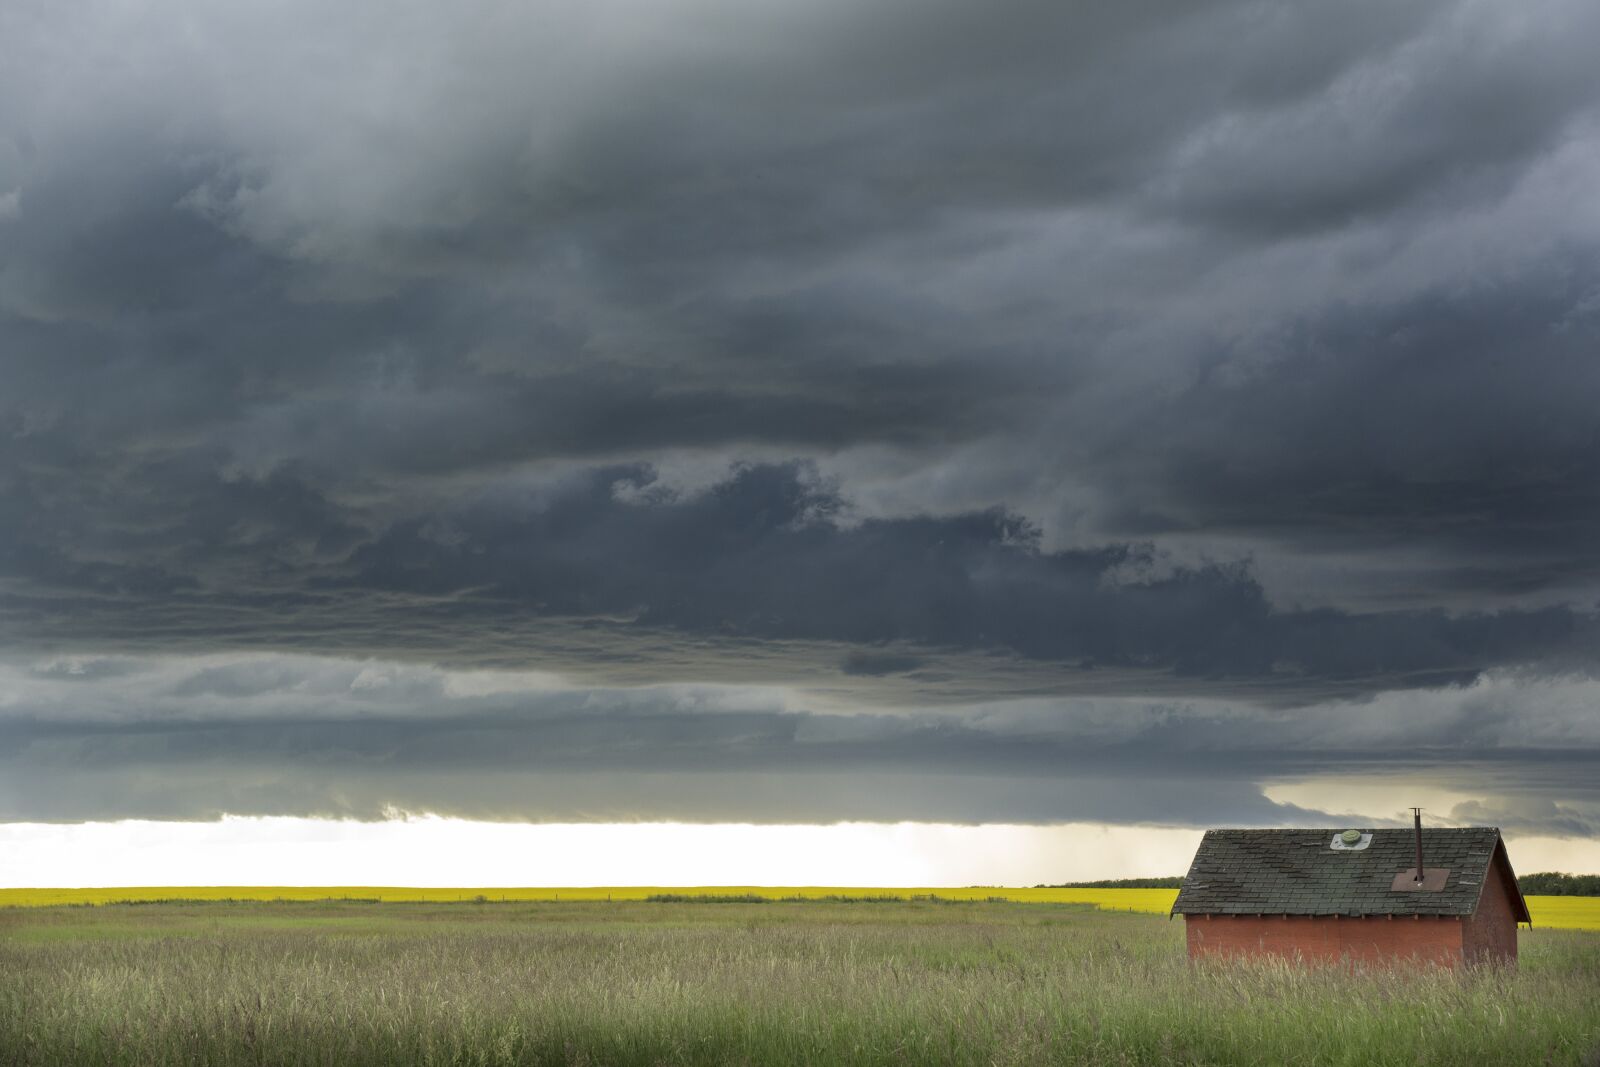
(1458,422)
(763,556)
(1535,816)
(1194,348)
(284,735)
(711,246)
(874,664)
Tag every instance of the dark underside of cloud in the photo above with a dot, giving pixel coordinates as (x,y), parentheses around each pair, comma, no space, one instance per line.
(761,559)
(911,357)
(254,734)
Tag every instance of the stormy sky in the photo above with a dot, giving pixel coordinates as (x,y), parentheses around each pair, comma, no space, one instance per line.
(773,412)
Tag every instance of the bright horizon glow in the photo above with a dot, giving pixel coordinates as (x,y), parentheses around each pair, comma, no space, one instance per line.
(430,851)
(434,852)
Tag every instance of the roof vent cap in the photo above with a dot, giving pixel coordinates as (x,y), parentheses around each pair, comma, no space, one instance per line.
(1350,841)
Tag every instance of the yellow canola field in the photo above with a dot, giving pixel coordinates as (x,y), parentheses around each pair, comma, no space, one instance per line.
(1151,900)
(1565,913)
(1575,913)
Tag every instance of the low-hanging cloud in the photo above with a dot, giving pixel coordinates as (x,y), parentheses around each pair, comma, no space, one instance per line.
(174,738)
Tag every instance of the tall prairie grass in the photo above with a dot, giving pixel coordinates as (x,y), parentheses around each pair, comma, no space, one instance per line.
(781,983)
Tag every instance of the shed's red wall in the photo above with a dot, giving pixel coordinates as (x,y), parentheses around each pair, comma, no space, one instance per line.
(1327,938)
(1489,935)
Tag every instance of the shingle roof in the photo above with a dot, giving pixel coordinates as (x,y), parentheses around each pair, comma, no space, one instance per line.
(1296,872)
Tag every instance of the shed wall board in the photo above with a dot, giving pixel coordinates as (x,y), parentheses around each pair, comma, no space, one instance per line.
(1490,933)
(1325,938)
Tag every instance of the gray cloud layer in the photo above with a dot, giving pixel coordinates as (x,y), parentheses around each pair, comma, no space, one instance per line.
(915,356)
(298,735)
(761,557)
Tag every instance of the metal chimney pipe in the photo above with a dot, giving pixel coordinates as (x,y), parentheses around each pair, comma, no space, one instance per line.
(1417,815)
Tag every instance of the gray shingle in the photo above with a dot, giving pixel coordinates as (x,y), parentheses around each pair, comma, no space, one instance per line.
(1295,872)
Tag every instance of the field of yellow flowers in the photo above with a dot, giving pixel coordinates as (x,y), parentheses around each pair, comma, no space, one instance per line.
(1569,913)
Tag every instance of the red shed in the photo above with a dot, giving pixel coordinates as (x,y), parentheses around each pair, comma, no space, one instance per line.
(1354,895)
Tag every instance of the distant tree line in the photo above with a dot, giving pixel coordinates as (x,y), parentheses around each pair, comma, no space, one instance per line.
(1553,884)
(1126,883)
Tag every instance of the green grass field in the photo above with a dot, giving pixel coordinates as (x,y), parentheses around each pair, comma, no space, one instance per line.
(816,982)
